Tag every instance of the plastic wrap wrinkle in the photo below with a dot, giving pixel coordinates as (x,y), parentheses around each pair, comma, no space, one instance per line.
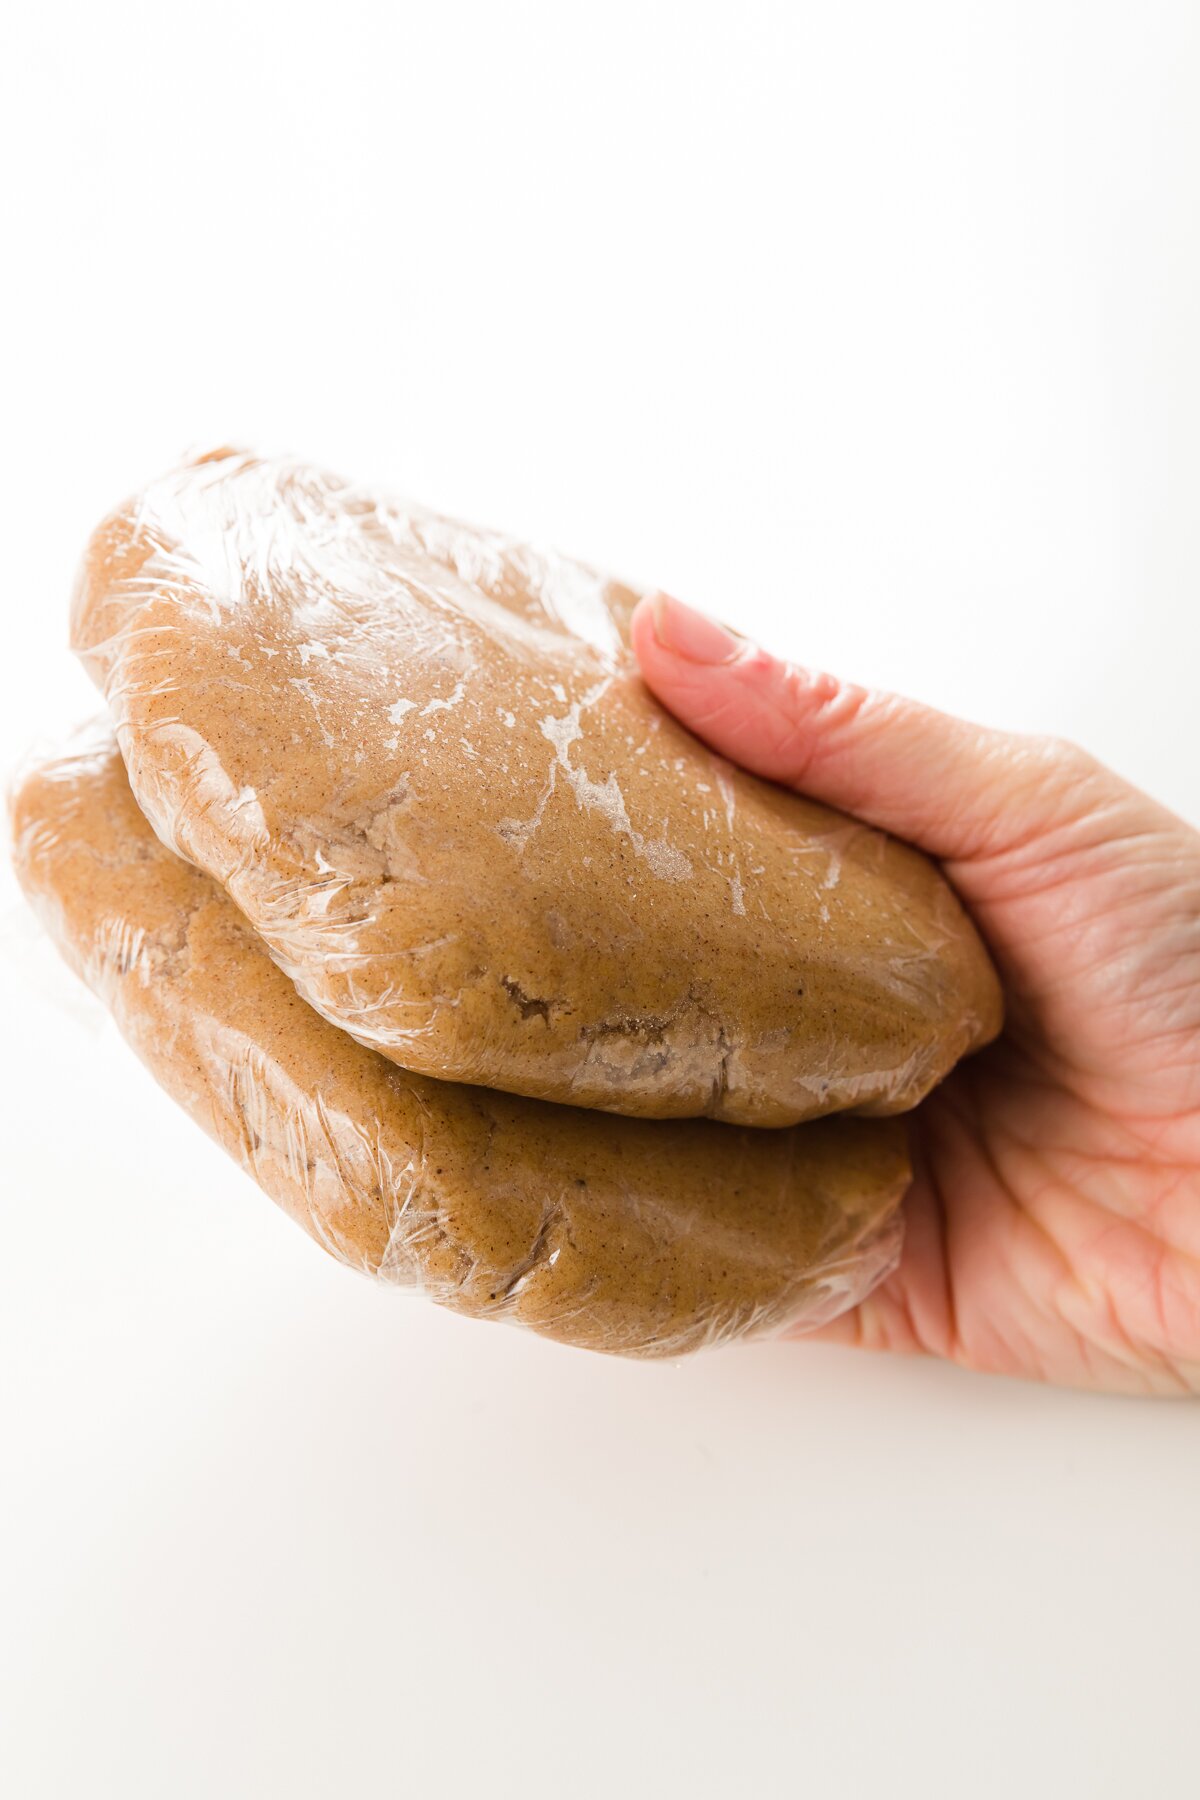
(629,1236)
(418,756)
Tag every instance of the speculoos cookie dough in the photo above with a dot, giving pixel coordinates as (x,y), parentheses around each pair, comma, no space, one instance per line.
(419,758)
(623,1235)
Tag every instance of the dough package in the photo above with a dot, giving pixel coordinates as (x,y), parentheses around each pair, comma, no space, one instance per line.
(419,759)
(632,1236)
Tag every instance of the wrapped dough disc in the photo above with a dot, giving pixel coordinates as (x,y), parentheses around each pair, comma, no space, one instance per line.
(622,1235)
(419,758)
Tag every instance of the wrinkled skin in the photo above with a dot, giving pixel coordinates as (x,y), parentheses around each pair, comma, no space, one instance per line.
(1054,1220)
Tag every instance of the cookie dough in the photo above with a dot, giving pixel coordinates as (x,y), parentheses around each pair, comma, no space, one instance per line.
(647,1239)
(419,758)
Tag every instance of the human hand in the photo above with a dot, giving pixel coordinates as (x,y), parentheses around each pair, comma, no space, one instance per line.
(1053,1224)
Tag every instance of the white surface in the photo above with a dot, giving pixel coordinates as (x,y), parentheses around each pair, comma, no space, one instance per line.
(873,327)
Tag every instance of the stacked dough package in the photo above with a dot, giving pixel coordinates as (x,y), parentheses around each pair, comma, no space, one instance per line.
(505,987)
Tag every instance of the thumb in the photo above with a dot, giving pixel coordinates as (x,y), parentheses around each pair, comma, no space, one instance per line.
(957,790)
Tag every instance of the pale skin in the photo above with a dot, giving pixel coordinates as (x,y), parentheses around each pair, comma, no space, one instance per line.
(1053,1223)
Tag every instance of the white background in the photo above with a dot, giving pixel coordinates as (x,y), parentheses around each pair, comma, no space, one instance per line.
(874,327)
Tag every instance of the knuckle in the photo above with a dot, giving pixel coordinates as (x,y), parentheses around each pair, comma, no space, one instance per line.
(1064,753)
(817,712)
(1055,761)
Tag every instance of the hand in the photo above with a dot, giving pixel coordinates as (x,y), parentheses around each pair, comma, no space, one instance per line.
(1053,1224)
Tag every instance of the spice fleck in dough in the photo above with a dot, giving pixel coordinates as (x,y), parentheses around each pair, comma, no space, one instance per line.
(419,758)
(622,1235)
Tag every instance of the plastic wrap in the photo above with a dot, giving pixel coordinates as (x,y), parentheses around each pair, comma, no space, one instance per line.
(419,758)
(623,1235)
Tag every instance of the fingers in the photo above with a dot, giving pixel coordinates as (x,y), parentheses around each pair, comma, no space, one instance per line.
(956,789)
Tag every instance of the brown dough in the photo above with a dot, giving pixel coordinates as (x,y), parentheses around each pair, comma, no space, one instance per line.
(419,758)
(617,1234)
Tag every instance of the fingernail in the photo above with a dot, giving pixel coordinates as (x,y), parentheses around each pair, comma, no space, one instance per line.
(685,632)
